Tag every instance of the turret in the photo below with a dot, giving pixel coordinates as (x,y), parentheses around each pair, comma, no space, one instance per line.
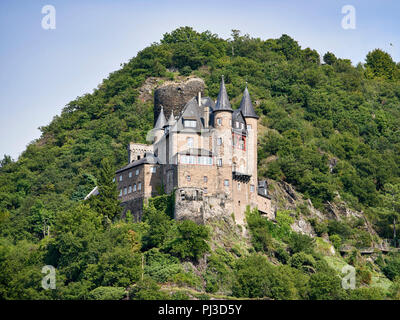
(223,110)
(222,116)
(159,126)
(250,116)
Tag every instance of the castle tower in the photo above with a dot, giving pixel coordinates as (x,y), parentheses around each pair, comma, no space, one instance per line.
(222,116)
(251,118)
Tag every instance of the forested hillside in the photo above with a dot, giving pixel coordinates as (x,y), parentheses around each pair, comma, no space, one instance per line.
(329,128)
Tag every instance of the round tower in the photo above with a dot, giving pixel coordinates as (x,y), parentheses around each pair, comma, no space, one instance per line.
(251,118)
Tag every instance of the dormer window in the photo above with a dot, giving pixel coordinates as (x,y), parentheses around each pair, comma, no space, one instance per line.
(189,123)
(219,121)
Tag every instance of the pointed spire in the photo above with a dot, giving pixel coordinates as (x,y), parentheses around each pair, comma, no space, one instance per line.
(246,107)
(161,121)
(223,99)
(171,120)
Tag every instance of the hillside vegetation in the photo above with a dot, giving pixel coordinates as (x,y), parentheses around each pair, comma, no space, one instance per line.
(331,129)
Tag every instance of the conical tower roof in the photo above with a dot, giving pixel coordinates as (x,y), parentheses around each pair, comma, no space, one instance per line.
(223,103)
(171,120)
(246,107)
(161,121)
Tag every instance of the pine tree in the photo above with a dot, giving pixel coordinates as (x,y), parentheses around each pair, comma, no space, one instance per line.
(106,202)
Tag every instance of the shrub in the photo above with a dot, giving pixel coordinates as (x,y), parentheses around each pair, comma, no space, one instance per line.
(147,289)
(392,268)
(363,275)
(161,266)
(107,293)
(325,286)
(255,277)
(190,242)
(303,261)
(336,241)
(301,242)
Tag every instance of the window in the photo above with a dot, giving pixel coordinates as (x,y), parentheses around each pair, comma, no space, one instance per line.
(130,174)
(153,169)
(219,141)
(242,126)
(120,177)
(219,121)
(249,127)
(226,183)
(139,186)
(125,191)
(130,189)
(237,124)
(219,162)
(188,178)
(134,187)
(114,179)
(238,185)
(189,142)
(188,160)
(203,160)
(137,172)
(189,123)
(205,179)
(120,192)
(205,190)
(252,188)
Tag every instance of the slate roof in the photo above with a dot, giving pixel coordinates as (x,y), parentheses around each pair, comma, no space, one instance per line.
(161,121)
(238,117)
(148,159)
(171,120)
(223,103)
(246,106)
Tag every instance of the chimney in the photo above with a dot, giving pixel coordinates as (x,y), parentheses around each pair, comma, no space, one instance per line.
(206,116)
(199,98)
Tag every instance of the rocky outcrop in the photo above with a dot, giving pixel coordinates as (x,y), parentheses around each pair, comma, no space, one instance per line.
(174,95)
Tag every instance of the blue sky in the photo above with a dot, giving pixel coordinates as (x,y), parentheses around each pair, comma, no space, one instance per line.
(42,70)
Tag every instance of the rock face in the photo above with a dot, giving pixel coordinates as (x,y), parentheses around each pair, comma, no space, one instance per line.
(174,95)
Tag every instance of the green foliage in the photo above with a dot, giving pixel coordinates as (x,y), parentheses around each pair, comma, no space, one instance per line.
(147,289)
(314,114)
(300,242)
(257,278)
(107,293)
(259,229)
(160,266)
(106,202)
(380,64)
(325,286)
(190,241)
(336,241)
(159,227)
(303,261)
(392,267)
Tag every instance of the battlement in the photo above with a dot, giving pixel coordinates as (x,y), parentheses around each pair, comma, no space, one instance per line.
(137,151)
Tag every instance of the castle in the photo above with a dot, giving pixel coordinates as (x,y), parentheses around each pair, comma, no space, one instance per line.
(207,155)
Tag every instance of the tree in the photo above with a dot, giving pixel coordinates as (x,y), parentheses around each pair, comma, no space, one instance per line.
(159,227)
(325,286)
(380,64)
(329,58)
(190,242)
(106,202)
(288,46)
